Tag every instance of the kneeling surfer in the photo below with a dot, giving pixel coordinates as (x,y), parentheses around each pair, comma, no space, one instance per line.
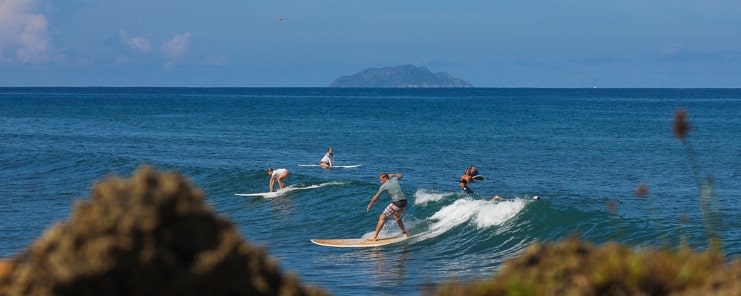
(327,160)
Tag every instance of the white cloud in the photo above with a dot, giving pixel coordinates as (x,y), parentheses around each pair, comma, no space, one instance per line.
(175,48)
(23,34)
(136,43)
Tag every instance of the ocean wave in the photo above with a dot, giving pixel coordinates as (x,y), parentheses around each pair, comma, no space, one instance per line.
(464,210)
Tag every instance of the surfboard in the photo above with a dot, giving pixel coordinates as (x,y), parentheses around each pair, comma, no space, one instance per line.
(260,194)
(336,166)
(288,189)
(276,193)
(357,242)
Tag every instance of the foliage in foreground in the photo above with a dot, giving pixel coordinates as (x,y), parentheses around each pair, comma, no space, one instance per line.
(574,267)
(152,234)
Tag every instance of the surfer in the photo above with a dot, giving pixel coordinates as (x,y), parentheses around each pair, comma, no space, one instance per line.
(328,159)
(278,174)
(390,185)
(464,185)
(472,171)
(467,177)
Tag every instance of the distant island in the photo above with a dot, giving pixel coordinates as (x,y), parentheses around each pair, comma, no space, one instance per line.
(406,76)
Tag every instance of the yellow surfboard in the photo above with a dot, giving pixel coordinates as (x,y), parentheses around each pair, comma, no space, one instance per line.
(357,242)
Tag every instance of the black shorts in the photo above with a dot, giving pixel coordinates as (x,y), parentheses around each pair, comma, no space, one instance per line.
(400,204)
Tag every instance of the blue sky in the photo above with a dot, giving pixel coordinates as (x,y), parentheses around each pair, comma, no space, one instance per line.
(244,43)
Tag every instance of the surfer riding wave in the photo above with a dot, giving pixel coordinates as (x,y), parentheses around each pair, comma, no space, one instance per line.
(390,185)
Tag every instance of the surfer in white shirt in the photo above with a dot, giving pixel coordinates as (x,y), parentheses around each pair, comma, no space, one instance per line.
(278,174)
(328,159)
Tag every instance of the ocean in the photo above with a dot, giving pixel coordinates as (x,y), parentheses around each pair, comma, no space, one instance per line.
(583,152)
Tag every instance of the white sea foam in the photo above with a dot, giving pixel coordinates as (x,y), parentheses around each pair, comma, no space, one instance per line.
(322,185)
(478,212)
(423,196)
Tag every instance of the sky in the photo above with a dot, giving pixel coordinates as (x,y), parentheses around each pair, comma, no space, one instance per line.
(275,43)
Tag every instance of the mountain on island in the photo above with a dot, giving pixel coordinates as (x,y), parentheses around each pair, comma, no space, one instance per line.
(406,76)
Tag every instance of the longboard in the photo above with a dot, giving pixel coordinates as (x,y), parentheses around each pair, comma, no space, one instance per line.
(336,166)
(276,193)
(357,242)
(286,190)
(260,194)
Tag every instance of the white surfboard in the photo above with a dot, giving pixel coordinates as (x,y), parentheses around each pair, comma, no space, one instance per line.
(357,242)
(336,166)
(260,194)
(278,192)
(287,189)
(478,177)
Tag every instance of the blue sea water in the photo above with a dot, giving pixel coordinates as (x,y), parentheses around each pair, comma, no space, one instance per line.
(582,151)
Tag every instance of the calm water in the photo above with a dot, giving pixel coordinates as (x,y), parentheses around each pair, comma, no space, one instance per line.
(583,151)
